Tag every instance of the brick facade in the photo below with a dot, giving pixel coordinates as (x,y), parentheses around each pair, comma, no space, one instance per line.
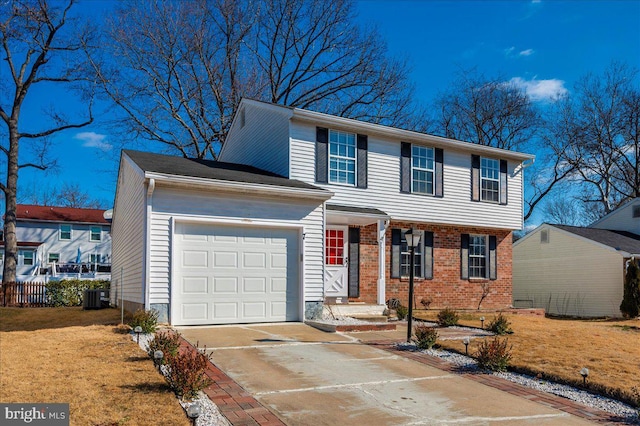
(446,289)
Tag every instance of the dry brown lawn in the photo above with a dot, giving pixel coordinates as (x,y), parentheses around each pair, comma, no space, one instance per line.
(559,348)
(74,356)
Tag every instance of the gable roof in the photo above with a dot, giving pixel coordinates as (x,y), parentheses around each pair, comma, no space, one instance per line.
(35,213)
(619,240)
(215,170)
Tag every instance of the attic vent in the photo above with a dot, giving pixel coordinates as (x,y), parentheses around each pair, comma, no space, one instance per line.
(544,236)
(242,118)
(636,211)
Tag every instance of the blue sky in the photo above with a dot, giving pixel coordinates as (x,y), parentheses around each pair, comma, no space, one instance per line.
(545,46)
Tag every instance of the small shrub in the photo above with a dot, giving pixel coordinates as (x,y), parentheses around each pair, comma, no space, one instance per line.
(166,341)
(186,373)
(122,329)
(494,355)
(426,303)
(148,320)
(402,311)
(425,336)
(630,306)
(448,317)
(500,325)
(71,292)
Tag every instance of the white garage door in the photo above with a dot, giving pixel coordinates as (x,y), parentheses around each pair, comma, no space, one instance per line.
(228,274)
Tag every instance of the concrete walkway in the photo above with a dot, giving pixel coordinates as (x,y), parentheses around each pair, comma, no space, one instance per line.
(305,376)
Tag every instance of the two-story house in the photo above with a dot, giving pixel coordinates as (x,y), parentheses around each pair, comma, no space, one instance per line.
(57,241)
(305,209)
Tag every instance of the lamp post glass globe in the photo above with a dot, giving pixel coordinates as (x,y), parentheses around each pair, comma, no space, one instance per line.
(584,373)
(194,411)
(158,355)
(466,345)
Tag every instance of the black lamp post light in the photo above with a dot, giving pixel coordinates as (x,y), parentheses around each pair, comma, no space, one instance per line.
(466,345)
(584,372)
(482,322)
(138,330)
(413,239)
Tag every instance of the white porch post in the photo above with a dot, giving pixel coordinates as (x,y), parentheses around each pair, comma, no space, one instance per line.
(382,228)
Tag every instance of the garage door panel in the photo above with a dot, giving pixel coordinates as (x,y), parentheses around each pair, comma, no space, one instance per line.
(253,275)
(228,285)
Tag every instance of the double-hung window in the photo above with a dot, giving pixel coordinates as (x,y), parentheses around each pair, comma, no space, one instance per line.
(342,157)
(27,257)
(405,260)
(489,180)
(65,232)
(95,258)
(54,257)
(95,233)
(422,167)
(477,256)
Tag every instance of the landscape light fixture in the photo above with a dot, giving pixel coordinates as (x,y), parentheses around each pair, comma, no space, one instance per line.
(413,239)
(138,330)
(584,373)
(466,345)
(482,322)
(157,358)
(194,411)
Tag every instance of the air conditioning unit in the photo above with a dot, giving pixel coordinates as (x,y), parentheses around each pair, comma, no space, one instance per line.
(92,299)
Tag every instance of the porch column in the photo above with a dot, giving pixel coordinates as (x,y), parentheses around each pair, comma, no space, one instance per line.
(382,228)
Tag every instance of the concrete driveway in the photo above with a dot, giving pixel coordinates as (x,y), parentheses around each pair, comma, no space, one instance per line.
(309,377)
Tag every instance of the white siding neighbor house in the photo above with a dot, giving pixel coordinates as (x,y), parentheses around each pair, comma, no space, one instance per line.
(577,271)
(60,242)
(305,209)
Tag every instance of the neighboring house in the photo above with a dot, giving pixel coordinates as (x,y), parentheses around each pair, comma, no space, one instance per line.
(306,209)
(577,271)
(57,242)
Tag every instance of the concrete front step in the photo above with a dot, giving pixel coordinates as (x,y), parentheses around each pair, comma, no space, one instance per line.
(352,309)
(332,328)
(371,318)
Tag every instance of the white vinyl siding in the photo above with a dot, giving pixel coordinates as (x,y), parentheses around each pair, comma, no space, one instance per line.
(382,192)
(621,219)
(569,275)
(169,204)
(128,234)
(263,141)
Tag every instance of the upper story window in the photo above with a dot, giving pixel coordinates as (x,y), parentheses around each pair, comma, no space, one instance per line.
(95,233)
(477,256)
(422,167)
(342,157)
(65,232)
(490,180)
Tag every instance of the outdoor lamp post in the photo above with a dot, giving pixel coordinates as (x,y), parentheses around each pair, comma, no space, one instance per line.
(413,239)
(584,373)
(482,322)
(466,345)
(138,330)
(157,359)
(194,411)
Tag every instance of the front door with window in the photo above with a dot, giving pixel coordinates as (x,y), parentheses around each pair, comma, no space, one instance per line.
(336,260)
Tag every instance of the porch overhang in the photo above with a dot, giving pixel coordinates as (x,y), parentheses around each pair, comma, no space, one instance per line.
(349,215)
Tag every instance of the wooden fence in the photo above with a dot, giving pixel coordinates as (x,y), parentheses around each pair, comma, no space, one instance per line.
(24,295)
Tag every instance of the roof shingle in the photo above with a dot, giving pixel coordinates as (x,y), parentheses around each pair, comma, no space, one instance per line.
(59,214)
(619,240)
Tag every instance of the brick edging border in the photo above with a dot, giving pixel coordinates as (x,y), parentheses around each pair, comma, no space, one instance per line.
(544,398)
(235,404)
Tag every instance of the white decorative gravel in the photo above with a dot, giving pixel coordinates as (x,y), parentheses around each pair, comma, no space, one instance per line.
(629,414)
(210,414)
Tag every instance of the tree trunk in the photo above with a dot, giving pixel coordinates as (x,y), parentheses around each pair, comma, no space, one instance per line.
(10,196)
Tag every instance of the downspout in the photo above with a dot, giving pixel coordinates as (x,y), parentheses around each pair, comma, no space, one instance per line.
(151,186)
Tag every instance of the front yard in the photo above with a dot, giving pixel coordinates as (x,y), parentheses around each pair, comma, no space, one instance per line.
(75,356)
(559,348)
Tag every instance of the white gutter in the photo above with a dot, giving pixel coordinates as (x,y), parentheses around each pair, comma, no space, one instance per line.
(242,187)
(151,185)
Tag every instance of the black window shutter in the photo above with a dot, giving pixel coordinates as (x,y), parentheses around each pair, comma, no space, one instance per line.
(322,149)
(405,167)
(493,258)
(475,178)
(363,146)
(464,256)
(354,262)
(428,255)
(439,154)
(503,181)
(396,241)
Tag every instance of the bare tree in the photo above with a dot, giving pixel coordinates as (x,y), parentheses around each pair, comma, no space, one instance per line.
(491,111)
(600,128)
(564,211)
(42,47)
(71,195)
(180,68)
